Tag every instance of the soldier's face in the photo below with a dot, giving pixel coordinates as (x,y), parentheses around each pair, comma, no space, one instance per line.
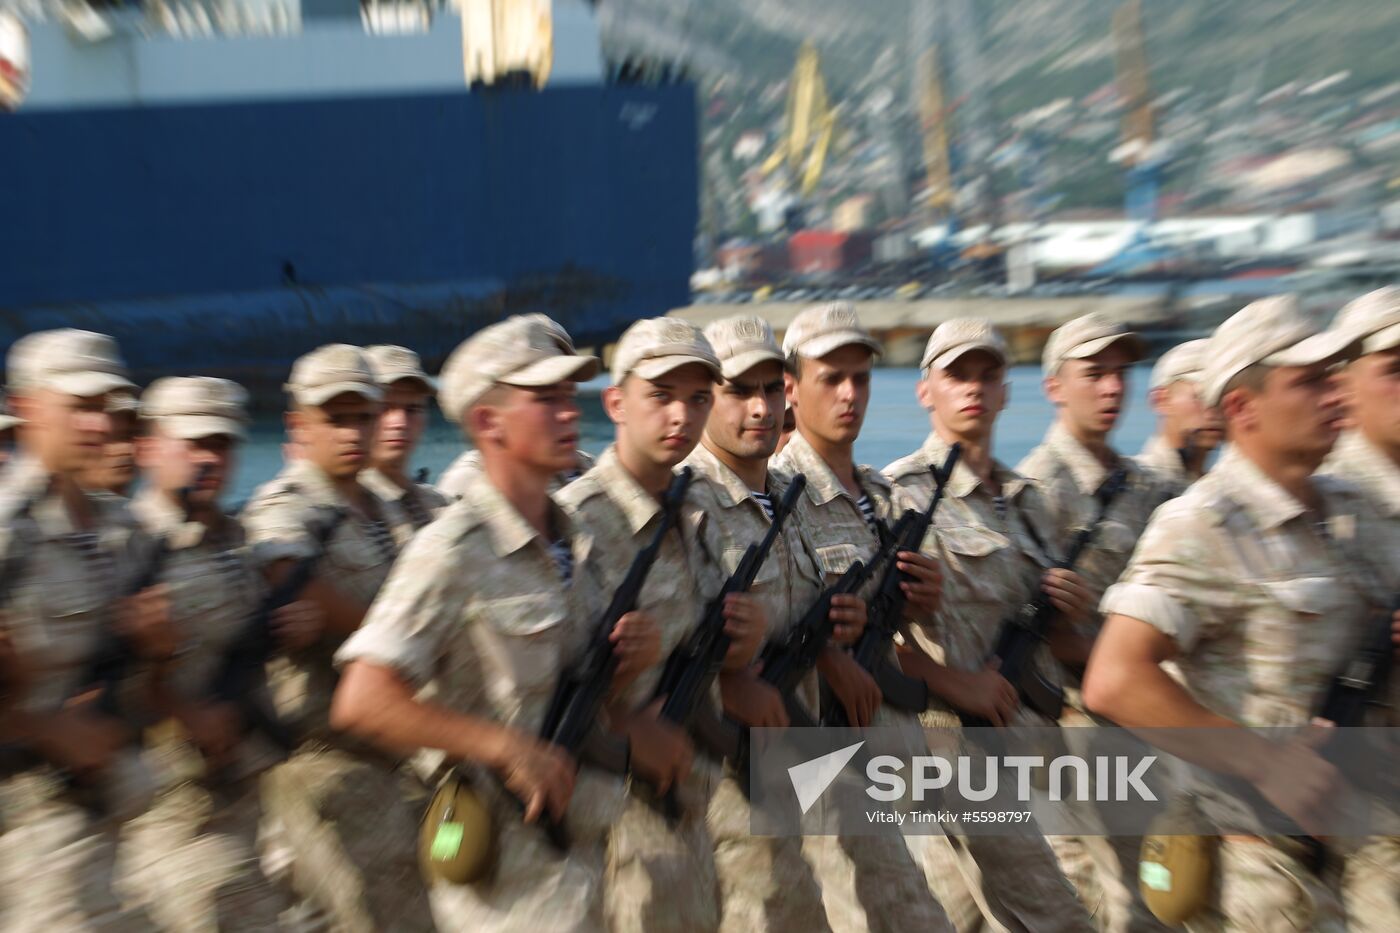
(401,424)
(336,436)
(1372,386)
(747,413)
(65,432)
(661,419)
(1091,393)
(173,463)
(1299,412)
(1184,414)
(115,470)
(966,397)
(538,427)
(830,395)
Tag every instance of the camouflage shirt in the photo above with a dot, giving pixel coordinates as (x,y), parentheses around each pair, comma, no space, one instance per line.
(490,642)
(1162,462)
(407,510)
(1264,600)
(993,555)
(619,517)
(280,521)
(1355,460)
(1067,476)
(454,479)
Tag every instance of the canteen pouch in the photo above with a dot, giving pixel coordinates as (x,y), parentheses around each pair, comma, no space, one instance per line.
(457,838)
(1177,863)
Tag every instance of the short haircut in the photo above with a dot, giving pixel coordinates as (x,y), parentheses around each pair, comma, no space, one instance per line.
(1251,377)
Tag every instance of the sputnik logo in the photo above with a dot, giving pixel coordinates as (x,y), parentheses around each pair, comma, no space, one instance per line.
(811,778)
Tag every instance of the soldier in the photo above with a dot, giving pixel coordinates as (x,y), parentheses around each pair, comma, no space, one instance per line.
(1257,582)
(66,554)
(405,414)
(494,641)
(990,533)
(1086,367)
(8,423)
(115,471)
(660,877)
(338,805)
(764,882)
(1187,431)
(192,859)
(829,357)
(1369,453)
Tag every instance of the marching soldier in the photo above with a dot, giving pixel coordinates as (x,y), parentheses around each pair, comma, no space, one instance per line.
(1086,367)
(764,882)
(407,390)
(1257,583)
(1368,454)
(1187,431)
(991,534)
(868,882)
(70,772)
(192,859)
(661,877)
(495,640)
(468,463)
(338,805)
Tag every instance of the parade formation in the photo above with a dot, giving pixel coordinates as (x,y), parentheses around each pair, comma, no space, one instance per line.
(519,699)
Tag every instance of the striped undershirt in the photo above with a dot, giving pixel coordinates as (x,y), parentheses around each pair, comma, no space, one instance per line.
(563,557)
(867,509)
(766,501)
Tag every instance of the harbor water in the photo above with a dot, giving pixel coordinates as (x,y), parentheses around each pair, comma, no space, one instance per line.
(894,425)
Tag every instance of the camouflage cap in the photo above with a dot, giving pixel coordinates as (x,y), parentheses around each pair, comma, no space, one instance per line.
(75,362)
(960,335)
(1375,318)
(742,342)
(524,350)
(194,407)
(7,420)
(1273,332)
(1084,337)
(335,369)
(390,364)
(818,330)
(655,346)
(1181,362)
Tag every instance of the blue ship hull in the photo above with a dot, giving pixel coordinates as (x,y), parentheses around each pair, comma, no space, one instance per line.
(228,239)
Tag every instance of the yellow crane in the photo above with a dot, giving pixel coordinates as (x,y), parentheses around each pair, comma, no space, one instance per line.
(811,123)
(933,122)
(1139,128)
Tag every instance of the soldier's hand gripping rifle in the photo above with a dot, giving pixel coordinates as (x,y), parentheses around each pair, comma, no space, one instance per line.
(1024,632)
(242,672)
(886,609)
(1364,681)
(691,669)
(578,698)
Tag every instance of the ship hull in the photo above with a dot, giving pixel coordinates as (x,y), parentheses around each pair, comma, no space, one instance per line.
(227,239)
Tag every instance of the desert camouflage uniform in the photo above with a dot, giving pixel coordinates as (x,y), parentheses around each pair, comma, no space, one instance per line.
(1068,475)
(454,479)
(1362,465)
(491,643)
(192,859)
(1162,463)
(342,808)
(868,882)
(764,882)
(57,858)
(659,877)
(993,559)
(1265,605)
(407,510)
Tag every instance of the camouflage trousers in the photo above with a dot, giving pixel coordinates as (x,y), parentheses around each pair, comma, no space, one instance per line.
(57,863)
(661,878)
(353,835)
(1263,887)
(764,883)
(192,862)
(1371,886)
